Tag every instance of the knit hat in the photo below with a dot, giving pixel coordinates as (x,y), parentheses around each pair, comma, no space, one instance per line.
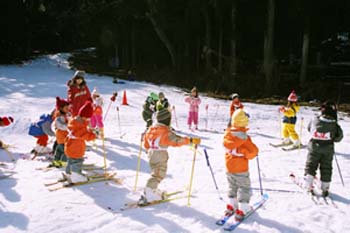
(86,110)
(6,120)
(329,108)
(293,97)
(239,119)
(60,103)
(79,73)
(95,92)
(234,95)
(161,95)
(164,116)
(154,96)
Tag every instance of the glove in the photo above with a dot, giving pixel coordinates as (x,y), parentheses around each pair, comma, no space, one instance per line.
(152,107)
(115,94)
(195,141)
(241,135)
(5,121)
(282,109)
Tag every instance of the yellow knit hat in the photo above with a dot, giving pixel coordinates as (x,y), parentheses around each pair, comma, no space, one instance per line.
(239,119)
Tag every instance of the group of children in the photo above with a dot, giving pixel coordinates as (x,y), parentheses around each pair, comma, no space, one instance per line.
(73,129)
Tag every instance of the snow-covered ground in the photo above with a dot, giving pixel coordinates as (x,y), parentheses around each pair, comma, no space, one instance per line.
(26,205)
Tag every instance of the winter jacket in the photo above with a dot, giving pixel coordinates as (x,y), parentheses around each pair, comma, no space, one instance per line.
(78,133)
(61,122)
(194,103)
(98,104)
(149,107)
(325,130)
(162,104)
(239,149)
(290,114)
(160,137)
(77,96)
(234,106)
(41,127)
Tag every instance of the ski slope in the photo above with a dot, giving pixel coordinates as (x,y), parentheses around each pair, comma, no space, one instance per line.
(26,205)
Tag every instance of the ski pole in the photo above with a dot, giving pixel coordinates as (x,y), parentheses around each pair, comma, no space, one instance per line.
(260,181)
(138,163)
(177,126)
(120,128)
(207,120)
(104,152)
(280,123)
(341,177)
(301,132)
(114,96)
(212,173)
(191,178)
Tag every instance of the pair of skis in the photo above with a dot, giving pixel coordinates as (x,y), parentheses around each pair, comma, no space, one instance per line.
(232,225)
(63,183)
(288,147)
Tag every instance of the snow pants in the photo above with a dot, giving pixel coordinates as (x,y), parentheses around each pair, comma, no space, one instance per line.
(192,117)
(96,120)
(239,186)
(42,140)
(59,153)
(320,155)
(74,165)
(288,130)
(158,162)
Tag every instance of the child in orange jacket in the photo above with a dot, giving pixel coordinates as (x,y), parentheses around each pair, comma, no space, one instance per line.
(156,141)
(239,150)
(74,147)
(61,121)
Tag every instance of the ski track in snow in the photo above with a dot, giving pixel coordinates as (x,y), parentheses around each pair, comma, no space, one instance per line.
(26,205)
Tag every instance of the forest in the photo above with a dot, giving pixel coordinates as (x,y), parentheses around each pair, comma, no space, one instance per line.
(259,48)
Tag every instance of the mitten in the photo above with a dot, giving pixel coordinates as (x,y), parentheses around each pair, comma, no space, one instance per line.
(195,141)
(282,109)
(114,96)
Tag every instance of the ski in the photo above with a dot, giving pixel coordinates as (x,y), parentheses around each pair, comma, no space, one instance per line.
(93,179)
(167,198)
(86,167)
(293,147)
(223,220)
(280,144)
(255,207)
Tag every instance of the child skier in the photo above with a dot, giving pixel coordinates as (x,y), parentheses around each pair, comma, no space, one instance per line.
(74,147)
(61,121)
(42,130)
(156,141)
(289,120)
(162,102)
(149,107)
(5,121)
(235,104)
(194,102)
(96,121)
(239,150)
(324,131)
(78,92)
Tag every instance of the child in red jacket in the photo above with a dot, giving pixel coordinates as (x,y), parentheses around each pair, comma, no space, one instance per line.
(5,121)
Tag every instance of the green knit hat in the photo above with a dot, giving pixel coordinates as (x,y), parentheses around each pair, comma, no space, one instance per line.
(163,116)
(154,96)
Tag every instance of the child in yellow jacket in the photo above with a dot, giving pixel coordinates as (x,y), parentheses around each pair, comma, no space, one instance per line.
(239,150)
(156,141)
(289,120)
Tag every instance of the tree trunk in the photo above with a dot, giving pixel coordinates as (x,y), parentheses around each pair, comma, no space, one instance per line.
(233,65)
(305,55)
(269,50)
(161,34)
(132,45)
(207,37)
(221,32)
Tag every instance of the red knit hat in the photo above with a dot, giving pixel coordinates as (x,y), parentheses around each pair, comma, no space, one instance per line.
(86,110)
(293,97)
(6,120)
(60,103)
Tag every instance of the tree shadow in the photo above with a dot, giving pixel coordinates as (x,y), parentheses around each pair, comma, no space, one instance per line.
(8,218)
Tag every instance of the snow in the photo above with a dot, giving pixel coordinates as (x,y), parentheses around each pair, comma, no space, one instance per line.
(26,205)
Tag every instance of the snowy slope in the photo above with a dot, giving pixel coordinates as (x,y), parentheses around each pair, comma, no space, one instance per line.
(26,205)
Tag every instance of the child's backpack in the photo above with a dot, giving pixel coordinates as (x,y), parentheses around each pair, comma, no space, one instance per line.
(35,128)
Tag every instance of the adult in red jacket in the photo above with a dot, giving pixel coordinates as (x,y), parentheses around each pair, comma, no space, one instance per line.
(78,92)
